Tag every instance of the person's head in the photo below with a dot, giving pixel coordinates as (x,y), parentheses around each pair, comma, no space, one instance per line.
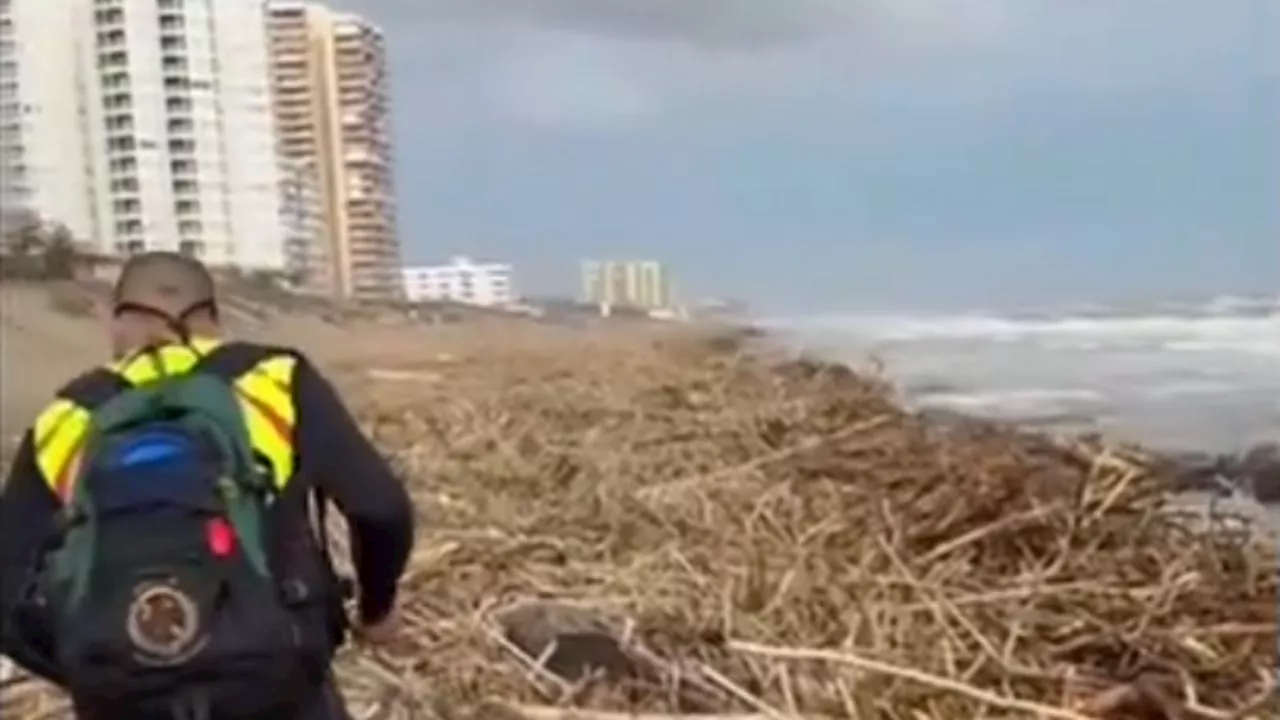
(162,297)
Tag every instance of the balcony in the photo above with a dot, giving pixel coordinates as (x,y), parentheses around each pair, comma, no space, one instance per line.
(289,60)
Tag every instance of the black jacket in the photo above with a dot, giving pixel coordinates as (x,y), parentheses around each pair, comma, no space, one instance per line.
(333,455)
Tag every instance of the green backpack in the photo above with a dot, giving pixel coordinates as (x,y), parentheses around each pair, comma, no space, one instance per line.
(162,588)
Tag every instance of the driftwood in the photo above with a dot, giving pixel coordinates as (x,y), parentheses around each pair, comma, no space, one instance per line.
(759,538)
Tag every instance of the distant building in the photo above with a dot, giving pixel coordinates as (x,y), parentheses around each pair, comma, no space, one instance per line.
(331,97)
(641,284)
(143,125)
(306,252)
(463,281)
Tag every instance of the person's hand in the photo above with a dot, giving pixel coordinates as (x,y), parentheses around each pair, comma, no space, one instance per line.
(382,632)
(386,635)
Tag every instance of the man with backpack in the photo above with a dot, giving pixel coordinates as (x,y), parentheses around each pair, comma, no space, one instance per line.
(162,551)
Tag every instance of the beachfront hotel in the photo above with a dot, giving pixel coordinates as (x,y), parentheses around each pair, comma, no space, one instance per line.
(461,280)
(143,124)
(640,284)
(332,110)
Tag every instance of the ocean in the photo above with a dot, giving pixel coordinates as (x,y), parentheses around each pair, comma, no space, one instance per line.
(1178,376)
(1181,376)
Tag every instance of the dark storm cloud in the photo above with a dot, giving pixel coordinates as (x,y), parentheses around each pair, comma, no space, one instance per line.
(714,24)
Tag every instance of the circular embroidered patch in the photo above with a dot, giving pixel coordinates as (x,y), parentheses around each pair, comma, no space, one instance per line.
(163,623)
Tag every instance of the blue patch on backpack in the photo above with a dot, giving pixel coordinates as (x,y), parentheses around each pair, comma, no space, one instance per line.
(151,447)
(154,466)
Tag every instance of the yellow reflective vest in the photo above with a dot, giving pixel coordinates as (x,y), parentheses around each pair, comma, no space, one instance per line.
(266,398)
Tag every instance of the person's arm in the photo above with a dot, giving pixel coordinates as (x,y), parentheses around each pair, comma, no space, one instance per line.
(28,519)
(334,453)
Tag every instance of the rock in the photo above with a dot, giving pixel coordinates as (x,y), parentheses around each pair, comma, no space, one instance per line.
(1255,472)
(580,641)
(1259,469)
(1199,472)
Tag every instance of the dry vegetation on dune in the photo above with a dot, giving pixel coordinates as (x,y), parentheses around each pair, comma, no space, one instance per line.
(778,539)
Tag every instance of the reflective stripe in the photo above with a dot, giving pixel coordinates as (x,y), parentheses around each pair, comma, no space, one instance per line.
(266,399)
(144,367)
(59,433)
(266,396)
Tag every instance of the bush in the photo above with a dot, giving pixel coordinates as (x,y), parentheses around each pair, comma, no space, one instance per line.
(39,252)
(69,299)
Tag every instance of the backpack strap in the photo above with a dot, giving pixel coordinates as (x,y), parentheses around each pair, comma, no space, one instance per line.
(93,389)
(232,360)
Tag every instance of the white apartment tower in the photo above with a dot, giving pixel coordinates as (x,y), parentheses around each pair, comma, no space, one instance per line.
(169,125)
(42,144)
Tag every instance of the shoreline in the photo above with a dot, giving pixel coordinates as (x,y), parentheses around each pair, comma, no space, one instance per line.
(1249,473)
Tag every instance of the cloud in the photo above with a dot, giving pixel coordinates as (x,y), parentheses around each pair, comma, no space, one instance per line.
(712,24)
(716,24)
(597,64)
(563,84)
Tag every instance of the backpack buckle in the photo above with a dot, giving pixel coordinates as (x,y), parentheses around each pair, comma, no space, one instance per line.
(294,592)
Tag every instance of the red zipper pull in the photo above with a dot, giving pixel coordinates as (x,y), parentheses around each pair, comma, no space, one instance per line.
(221,537)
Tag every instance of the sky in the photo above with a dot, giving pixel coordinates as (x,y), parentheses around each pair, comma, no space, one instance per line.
(833,155)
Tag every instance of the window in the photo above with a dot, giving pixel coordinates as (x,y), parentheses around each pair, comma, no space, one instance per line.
(124,184)
(171,23)
(121,144)
(122,165)
(108,16)
(190,227)
(177,104)
(183,167)
(191,248)
(169,4)
(183,187)
(117,101)
(179,125)
(177,83)
(171,44)
(117,80)
(173,64)
(127,206)
(123,123)
(187,207)
(130,227)
(110,38)
(180,145)
(113,59)
(147,144)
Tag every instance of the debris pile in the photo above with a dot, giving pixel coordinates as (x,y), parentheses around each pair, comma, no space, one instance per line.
(678,525)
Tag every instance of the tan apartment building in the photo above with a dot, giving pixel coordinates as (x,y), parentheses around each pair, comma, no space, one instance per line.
(330,93)
(641,284)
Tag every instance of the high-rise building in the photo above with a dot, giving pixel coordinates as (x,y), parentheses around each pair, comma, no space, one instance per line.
(641,284)
(146,124)
(43,163)
(306,262)
(329,76)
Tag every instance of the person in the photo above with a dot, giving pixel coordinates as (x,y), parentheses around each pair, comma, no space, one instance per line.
(303,443)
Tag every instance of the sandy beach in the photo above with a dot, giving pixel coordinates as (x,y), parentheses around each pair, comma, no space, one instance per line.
(746,534)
